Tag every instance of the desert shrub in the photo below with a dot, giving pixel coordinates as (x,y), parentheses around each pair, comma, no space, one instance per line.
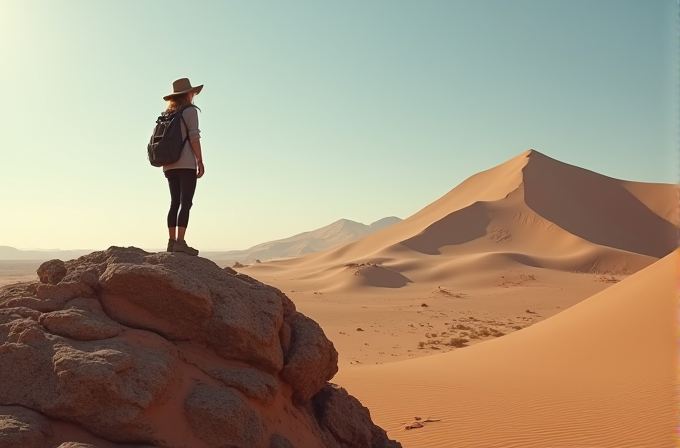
(458,342)
(496,333)
(484,332)
(462,327)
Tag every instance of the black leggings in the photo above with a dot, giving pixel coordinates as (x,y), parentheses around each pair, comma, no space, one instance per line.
(182,184)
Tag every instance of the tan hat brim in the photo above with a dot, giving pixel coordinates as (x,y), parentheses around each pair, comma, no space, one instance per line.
(196,89)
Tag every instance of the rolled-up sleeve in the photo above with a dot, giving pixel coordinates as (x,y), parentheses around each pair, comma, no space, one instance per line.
(190,115)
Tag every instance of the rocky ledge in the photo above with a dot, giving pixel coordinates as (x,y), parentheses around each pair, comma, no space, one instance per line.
(129,348)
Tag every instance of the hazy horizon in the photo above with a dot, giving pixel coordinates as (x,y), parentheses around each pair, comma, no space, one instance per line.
(39,249)
(314,112)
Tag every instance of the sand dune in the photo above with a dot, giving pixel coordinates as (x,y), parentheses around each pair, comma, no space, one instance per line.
(571,196)
(362,275)
(532,210)
(561,280)
(599,374)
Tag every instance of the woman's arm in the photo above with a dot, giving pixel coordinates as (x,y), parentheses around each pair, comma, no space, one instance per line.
(191,116)
(196,146)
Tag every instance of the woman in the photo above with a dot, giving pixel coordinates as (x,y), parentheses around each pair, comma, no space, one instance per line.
(182,175)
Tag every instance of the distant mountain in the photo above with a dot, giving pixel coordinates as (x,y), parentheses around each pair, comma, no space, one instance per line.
(383,223)
(342,231)
(11,253)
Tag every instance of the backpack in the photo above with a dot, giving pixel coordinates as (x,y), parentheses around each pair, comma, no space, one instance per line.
(166,143)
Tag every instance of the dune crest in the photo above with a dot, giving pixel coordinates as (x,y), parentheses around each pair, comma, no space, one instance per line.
(531,210)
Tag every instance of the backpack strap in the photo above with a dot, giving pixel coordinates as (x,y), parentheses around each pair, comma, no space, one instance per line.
(181,116)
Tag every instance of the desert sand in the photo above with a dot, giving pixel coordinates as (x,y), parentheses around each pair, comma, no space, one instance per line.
(15,271)
(525,308)
(533,305)
(601,374)
(506,248)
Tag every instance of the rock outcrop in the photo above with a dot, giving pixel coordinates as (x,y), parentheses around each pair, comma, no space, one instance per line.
(128,348)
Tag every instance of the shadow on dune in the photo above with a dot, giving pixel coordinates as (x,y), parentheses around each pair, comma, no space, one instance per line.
(459,227)
(595,208)
(379,276)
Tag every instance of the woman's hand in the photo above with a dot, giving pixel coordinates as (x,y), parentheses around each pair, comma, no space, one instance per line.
(201,169)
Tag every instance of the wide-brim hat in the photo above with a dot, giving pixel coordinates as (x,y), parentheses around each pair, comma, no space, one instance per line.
(183,85)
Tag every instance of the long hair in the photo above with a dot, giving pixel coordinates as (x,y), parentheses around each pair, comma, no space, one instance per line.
(176,102)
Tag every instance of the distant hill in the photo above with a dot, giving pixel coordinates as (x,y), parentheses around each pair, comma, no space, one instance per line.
(342,231)
(11,253)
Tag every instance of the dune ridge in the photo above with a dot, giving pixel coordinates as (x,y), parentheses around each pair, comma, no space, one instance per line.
(530,211)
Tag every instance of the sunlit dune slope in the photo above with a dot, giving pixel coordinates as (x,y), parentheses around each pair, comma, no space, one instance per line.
(602,373)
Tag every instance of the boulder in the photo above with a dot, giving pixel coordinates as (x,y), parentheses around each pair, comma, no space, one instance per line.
(347,420)
(312,359)
(52,272)
(121,342)
(197,301)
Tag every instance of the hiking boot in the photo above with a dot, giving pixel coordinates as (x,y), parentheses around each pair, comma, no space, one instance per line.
(171,245)
(181,246)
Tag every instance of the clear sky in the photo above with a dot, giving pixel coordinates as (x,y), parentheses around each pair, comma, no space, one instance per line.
(315,111)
